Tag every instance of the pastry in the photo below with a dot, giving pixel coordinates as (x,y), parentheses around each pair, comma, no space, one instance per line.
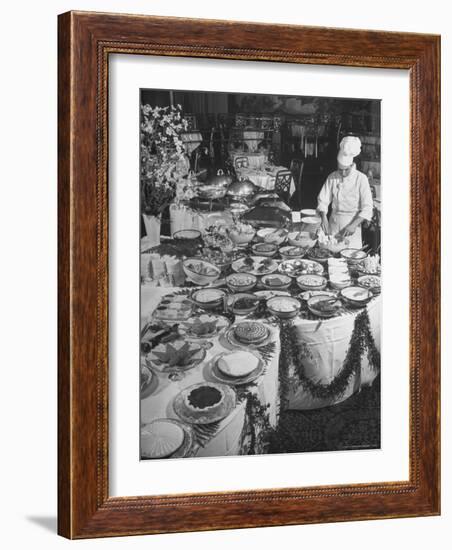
(238,363)
(161,438)
(251,332)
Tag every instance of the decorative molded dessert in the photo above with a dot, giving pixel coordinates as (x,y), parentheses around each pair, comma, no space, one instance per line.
(160,439)
(238,363)
(251,332)
(207,397)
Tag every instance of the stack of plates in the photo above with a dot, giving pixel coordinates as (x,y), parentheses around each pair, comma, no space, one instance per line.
(236,368)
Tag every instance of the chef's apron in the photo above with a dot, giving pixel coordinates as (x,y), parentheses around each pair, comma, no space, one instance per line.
(345,205)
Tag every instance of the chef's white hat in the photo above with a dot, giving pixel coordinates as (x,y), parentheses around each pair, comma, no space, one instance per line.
(349,147)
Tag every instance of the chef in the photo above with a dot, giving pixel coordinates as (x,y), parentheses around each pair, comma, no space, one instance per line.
(348,191)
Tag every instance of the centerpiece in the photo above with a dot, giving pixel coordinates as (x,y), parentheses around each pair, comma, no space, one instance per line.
(163,162)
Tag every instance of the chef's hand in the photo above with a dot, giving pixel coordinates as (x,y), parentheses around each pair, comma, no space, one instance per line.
(325,225)
(348,230)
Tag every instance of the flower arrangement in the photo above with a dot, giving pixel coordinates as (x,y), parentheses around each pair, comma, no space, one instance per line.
(162,154)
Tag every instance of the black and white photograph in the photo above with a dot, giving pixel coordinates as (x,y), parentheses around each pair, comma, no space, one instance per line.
(260,273)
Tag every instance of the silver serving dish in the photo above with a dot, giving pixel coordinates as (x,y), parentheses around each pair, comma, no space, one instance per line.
(221,179)
(242,189)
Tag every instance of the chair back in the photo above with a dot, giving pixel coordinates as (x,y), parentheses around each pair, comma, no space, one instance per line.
(296,167)
(282,184)
(241,162)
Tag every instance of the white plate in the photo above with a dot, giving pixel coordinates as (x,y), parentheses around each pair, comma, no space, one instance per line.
(257,261)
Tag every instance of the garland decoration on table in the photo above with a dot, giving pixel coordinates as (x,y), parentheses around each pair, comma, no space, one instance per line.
(360,341)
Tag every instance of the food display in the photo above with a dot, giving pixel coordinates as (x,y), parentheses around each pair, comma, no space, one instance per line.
(276,281)
(256,265)
(176,355)
(353,255)
(208,298)
(271,235)
(204,403)
(187,234)
(173,308)
(251,332)
(264,249)
(289,252)
(372,282)
(311,282)
(241,282)
(369,266)
(356,296)
(319,254)
(301,238)
(241,233)
(204,326)
(284,307)
(324,305)
(237,363)
(161,438)
(200,272)
(295,268)
(242,303)
(338,273)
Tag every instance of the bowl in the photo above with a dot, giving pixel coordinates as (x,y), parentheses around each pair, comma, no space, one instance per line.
(290,252)
(310,223)
(356,296)
(241,282)
(311,282)
(353,255)
(242,237)
(284,307)
(301,238)
(372,282)
(187,235)
(275,281)
(264,249)
(200,272)
(242,303)
(208,298)
(332,305)
(272,235)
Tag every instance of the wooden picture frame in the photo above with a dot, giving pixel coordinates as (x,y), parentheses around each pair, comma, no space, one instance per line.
(86,40)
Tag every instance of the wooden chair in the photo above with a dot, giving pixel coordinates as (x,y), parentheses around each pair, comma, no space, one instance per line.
(282,184)
(241,162)
(296,167)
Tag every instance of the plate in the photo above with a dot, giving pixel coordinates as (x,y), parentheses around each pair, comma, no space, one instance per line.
(185,449)
(232,340)
(159,356)
(215,415)
(297,267)
(161,438)
(148,383)
(240,266)
(222,377)
(192,328)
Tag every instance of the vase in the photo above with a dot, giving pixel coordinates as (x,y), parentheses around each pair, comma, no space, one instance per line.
(152,225)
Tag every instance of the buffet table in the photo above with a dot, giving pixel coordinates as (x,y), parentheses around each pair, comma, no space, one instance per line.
(227,438)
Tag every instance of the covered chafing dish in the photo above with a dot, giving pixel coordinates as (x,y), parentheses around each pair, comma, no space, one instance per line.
(242,189)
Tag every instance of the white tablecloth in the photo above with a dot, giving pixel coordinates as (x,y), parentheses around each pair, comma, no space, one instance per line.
(159,404)
(252,139)
(328,341)
(191,141)
(182,217)
(265,178)
(255,160)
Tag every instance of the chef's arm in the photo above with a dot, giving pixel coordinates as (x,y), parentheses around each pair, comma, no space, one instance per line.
(351,227)
(325,224)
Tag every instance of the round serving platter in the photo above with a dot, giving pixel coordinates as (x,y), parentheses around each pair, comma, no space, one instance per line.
(184,449)
(223,378)
(186,415)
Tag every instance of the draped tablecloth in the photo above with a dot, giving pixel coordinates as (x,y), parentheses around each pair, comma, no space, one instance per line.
(252,139)
(328,341)
(191,141)
(264,178)
(255,160)
(227,438)
(183,217)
